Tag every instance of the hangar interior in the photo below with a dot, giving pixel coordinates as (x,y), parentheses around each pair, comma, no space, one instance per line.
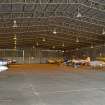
(28,27)
(67,34)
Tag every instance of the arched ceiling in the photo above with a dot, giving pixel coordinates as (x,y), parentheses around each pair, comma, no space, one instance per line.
(37,19)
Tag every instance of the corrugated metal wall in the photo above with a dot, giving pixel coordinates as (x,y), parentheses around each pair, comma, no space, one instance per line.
(92,52)
(30,55)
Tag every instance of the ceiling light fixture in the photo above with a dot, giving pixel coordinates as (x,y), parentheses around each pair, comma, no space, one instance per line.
(92,46)
(78,13)
(54,31)
(103,32)
(53,47)
(14,37)
(33,47)
(15,47)
(77,40)
(14,24)
(63,51)
(15,42)
(100,54)
(37,44)
(63,44)
(43,39)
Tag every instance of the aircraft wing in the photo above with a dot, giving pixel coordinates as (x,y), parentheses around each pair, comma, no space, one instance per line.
(3,62)
(97,63)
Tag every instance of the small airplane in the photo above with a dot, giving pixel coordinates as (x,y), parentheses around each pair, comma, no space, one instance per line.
(81,61)
(3,64)
(97,63)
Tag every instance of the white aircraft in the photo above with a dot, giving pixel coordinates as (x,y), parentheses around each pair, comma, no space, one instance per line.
(97,63)
(81,61)
(3,65)
(3,62)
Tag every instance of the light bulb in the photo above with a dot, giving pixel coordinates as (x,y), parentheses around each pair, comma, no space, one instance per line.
(14,23)
(77,40)
(91,46)
(54,32)
(79,15)
(37,43)
(14,37)
(15,47)
(103,32)
(53,46)
(33,46)
(43,39)
(100,54)
(63,45)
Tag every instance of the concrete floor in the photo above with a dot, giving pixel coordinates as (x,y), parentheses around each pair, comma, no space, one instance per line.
(51,85)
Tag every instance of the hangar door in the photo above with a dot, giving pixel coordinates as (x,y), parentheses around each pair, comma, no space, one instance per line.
(30,56)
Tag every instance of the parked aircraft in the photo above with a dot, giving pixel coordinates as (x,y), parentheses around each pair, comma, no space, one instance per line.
(3,64)
(97,63)
(81,61)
